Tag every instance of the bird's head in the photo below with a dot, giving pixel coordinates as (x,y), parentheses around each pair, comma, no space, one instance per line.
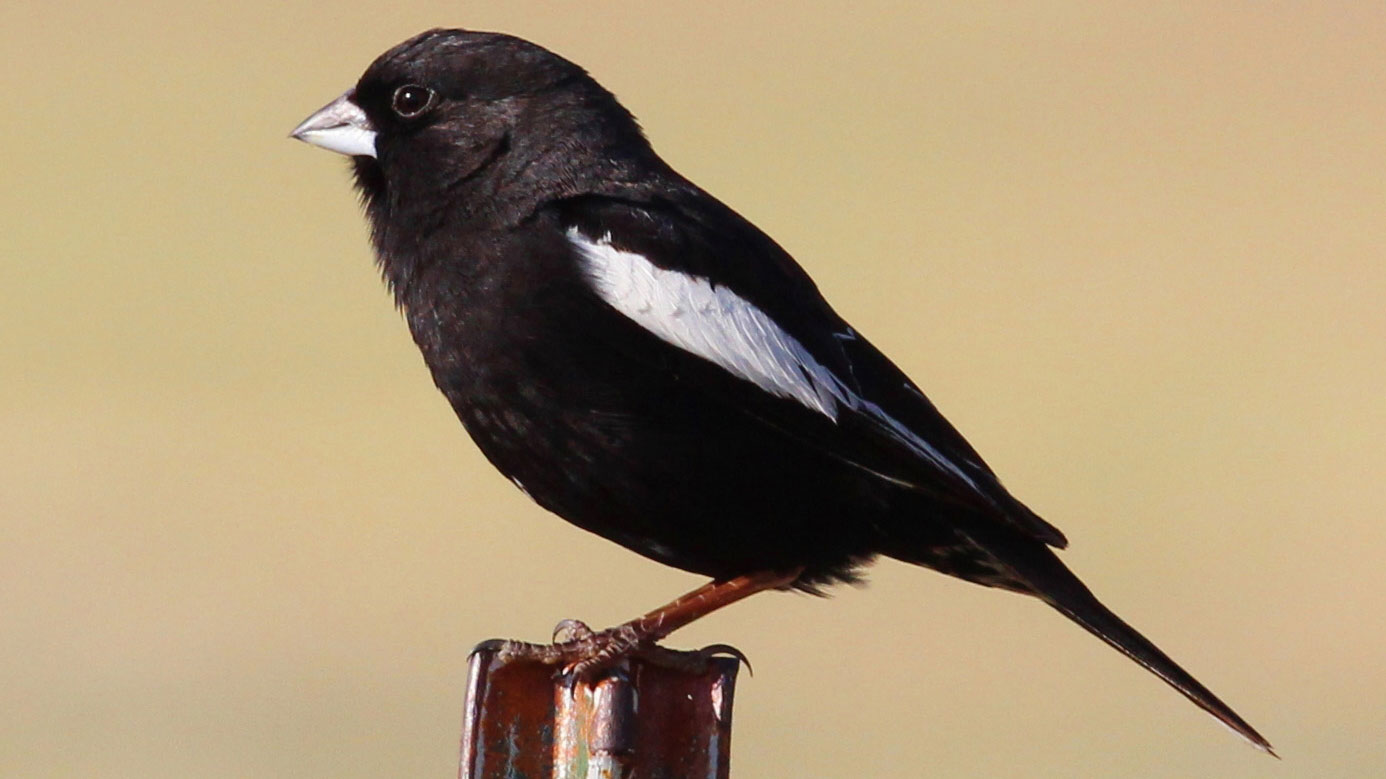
(475,123)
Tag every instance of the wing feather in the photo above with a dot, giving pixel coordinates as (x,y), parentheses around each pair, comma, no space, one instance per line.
(765,323)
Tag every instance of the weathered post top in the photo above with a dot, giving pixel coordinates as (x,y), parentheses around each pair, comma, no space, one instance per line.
(637,719)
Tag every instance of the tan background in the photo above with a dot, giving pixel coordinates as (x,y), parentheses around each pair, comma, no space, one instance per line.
(1136,254)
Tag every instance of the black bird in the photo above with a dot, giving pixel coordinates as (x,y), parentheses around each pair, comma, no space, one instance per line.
(650,366)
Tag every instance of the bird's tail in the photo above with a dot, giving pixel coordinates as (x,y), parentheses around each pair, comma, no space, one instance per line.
(1056,585)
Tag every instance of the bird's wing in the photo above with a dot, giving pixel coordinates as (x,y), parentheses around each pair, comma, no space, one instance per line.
(701,278)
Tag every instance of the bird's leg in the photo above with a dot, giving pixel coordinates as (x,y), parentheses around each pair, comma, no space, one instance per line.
(584,653)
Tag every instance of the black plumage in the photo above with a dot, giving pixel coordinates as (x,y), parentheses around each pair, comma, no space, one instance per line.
(647,364)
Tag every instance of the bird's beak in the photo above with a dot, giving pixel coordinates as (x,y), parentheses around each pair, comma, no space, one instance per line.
(339,126)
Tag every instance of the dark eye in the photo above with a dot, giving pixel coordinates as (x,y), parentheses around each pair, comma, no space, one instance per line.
(411,100)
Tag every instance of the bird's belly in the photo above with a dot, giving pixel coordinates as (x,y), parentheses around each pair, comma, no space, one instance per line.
(673,474)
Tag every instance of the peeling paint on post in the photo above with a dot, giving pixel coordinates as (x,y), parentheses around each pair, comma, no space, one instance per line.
(637,720)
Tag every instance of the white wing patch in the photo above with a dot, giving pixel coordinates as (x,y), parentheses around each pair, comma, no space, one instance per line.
(712,322)
(715,323)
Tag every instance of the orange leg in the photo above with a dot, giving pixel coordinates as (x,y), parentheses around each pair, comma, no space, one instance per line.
(706,599)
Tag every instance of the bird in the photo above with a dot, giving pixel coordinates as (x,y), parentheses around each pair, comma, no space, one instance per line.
(650,366)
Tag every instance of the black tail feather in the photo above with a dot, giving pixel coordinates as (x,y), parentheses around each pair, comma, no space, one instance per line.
(1050,580)
(1101,622)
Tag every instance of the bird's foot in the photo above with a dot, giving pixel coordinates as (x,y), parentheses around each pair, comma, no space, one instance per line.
(581,653)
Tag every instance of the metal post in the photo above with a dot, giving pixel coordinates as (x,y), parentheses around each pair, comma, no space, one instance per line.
(637,720)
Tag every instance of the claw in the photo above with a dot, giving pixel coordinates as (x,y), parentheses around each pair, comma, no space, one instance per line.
(727,650)
(571,630)
(489,645)
(566,678)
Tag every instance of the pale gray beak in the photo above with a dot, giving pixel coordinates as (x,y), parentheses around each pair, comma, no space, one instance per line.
(339,126)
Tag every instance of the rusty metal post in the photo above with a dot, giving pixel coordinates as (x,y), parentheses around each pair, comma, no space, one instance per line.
(637,720)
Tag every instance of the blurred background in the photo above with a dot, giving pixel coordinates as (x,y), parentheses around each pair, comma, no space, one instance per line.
(1134,252)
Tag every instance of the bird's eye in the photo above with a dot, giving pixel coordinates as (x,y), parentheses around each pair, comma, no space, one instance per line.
(411,100)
